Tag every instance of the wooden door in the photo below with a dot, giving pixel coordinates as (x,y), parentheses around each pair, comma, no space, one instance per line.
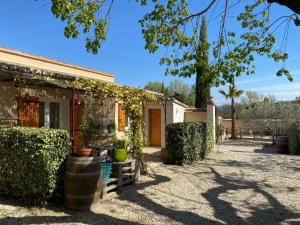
(155,127)
(78,137)
(121,118)
(28,111)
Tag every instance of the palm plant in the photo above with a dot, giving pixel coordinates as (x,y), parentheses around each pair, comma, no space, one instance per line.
(233,93)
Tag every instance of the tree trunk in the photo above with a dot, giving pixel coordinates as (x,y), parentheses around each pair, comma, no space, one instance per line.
(232,119)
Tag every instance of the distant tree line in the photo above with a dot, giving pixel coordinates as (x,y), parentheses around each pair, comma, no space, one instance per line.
(264,113)
(177,89)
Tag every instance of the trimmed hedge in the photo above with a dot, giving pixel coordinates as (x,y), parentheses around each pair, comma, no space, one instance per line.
(32,163)
(188,142)
(294,139)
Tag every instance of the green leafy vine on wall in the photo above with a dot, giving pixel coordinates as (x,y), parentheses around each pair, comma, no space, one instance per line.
(132,99)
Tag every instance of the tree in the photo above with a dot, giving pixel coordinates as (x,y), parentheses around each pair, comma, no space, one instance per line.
(233,93)
(155,86)
(178,90)
(202,69)
(272,115)
(225,111)
(171,24)
(251,97)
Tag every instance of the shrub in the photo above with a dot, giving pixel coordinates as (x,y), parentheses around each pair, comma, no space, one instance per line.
(188,142)
(293,139)
(31,162)
(119,143)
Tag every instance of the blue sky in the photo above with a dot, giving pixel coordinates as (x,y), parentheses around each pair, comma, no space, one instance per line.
(29,26)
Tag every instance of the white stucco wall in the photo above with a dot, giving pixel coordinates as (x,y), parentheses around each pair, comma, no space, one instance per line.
(178,113)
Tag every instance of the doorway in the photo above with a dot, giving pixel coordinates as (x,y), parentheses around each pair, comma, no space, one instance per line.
(155,127)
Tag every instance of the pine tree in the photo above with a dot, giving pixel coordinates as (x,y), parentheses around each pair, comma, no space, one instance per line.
(202,69)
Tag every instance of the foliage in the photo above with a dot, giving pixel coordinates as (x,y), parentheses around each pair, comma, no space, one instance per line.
(136,141)
(155,86)
(171,24)
(87,124)
(294,139)
(220,129)
(176,89)
(209,140)
(272,115)
(132,100)
(111,127)
(225,111)
(105,159)
(119,143)
(188,142)
(80,13)
(232,93)
(31,161)
(203,79)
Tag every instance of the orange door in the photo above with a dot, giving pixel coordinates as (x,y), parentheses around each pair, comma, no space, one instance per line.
(155,127)
(28,111)
(78,138)
(121,118)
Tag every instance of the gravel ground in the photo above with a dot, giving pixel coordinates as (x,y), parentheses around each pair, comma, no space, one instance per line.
(241,183)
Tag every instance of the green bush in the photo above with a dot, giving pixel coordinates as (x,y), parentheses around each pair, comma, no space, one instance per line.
(31,162)
(188,142)
(119,143)
(294,140)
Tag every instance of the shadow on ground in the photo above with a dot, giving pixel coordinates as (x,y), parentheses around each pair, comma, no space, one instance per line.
(223,210)
(244,142)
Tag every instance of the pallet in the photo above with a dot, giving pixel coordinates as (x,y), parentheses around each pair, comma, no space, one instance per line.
(122,175)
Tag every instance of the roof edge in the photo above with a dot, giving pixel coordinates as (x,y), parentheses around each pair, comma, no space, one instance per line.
(48,60)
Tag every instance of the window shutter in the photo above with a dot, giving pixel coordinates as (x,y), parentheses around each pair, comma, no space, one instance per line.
(78,137)
(121,115)
(28,111)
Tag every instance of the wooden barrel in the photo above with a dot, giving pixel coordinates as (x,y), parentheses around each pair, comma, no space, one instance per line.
(82,182)
(282,144)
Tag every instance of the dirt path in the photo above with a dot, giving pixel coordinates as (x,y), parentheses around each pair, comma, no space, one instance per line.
(241,183)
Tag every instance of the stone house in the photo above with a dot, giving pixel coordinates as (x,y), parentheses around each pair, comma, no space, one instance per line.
(41,103)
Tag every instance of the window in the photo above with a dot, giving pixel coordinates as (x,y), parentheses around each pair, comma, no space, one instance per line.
(41,114)
(54,115)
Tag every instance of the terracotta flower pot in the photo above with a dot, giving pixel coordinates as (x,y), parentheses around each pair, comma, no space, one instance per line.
(85,152)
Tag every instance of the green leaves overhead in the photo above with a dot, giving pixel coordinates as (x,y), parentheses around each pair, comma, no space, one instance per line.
(82,16)
(171,26)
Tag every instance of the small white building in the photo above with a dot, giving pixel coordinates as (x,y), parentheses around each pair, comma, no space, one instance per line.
(157,116)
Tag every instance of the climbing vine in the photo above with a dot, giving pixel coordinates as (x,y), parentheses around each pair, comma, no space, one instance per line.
(132,99)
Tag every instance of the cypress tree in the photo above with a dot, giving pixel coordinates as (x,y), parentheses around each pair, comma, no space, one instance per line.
(202,69)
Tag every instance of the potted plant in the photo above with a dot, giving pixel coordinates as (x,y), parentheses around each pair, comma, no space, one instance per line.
(106,165)
(111,128)
(87,128)
(119,152)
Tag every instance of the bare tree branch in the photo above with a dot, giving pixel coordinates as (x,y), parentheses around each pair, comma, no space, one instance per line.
(198,13)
